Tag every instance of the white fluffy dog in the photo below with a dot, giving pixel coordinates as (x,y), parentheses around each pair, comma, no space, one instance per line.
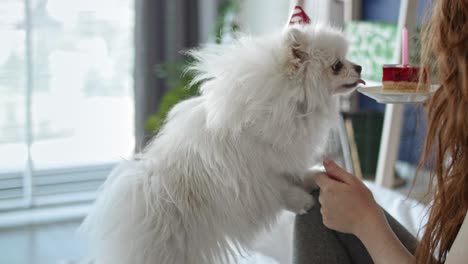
(228,161)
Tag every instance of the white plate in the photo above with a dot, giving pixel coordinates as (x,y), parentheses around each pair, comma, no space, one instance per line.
(375,92)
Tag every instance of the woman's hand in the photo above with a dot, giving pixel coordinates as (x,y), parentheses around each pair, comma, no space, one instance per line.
(349,207)
(347,204)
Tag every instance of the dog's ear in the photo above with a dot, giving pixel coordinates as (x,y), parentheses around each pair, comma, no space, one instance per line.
(297,42)
(297,45)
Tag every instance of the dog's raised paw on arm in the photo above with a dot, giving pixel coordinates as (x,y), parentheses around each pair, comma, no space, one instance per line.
(308,178)
(298,200)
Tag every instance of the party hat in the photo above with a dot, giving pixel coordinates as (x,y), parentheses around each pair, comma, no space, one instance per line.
(298,15)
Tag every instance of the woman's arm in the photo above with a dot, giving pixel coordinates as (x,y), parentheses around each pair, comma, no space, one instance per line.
(459,251)
(381,243)
(349,207)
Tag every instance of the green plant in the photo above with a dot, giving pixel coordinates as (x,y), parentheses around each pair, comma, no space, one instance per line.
(226,23)
(178,80)
(180,90)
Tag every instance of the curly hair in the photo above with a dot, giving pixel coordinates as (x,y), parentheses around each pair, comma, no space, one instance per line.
(445,51)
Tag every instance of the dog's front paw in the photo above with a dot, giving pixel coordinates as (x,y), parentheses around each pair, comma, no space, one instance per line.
(307,203)
(298,201)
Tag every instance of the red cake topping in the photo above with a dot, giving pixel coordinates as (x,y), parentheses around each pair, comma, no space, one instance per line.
(399,73)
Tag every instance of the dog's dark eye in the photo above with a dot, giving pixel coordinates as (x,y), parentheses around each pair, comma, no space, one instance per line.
(337,66)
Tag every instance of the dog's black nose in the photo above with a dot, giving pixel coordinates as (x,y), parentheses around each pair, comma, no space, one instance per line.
(358,68)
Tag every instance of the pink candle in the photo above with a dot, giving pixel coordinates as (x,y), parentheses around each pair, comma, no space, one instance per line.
(404,46)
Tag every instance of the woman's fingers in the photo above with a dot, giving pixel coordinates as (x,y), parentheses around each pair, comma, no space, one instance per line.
(324,182)
(338,173)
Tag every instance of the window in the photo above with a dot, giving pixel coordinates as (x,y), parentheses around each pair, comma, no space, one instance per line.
(66,98)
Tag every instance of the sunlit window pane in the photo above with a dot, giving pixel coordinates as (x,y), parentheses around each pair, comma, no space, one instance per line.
(82,72)
(70,65)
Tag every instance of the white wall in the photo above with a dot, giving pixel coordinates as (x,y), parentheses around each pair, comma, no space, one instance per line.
(263,16)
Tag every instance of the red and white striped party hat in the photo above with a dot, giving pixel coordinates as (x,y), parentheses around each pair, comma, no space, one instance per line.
(298,15)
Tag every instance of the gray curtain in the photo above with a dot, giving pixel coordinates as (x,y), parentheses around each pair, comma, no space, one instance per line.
(162,29)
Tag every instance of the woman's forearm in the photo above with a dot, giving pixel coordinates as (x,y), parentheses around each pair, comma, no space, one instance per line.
(382,243)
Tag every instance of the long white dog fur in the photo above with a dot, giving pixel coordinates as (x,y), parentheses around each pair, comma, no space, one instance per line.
(228,161)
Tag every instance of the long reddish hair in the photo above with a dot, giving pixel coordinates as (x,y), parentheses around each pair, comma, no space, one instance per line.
(445,46)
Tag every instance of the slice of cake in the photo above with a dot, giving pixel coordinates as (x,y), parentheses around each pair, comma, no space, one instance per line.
(403,78)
